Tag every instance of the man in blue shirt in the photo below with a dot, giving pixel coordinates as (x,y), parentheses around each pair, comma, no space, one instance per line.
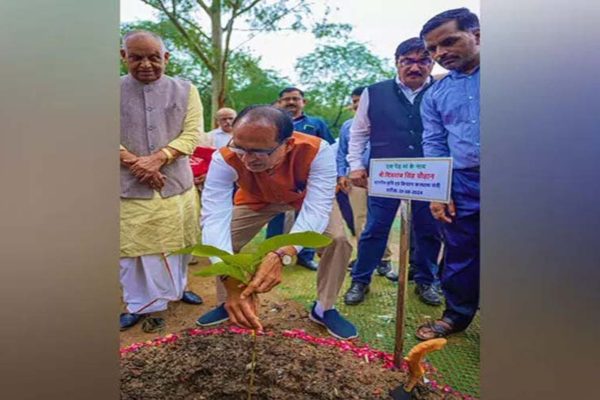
(357,194)
(450,114)
(388,120)
(292,100)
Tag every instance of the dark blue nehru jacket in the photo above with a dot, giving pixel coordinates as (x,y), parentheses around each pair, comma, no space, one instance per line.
(396,127)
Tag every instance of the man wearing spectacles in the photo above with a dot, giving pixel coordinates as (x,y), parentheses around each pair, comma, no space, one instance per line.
(388,119)
(276,170)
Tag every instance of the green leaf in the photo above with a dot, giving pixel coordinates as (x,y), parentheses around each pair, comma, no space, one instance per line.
(331,30)
(202,250)
(245,261)
(304,239)
(222,268)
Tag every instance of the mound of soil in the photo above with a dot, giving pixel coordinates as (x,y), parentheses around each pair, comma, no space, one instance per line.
(219,367)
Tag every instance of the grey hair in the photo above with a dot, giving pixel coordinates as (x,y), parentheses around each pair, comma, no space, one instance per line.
(131,34)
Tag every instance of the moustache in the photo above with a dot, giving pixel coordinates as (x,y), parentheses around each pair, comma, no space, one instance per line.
(444,60)
(415,74)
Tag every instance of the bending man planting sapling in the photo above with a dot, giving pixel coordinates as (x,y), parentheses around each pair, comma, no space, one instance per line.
(276,170)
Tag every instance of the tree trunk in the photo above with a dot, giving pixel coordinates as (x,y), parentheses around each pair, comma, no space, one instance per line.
(217,79)
(339,114)
(215,94)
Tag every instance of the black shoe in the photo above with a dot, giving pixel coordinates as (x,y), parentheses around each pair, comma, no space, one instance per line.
(428,294)
(308,264)
(384,268)
(356,293)
(392,276)
(190,297)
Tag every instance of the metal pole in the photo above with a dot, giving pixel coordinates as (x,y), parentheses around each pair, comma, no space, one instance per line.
(404,261)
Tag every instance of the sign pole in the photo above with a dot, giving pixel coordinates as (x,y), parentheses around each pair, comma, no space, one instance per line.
(422,179)
(404,262)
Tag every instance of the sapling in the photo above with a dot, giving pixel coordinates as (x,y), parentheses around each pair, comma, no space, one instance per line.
(252,366)
(243,266)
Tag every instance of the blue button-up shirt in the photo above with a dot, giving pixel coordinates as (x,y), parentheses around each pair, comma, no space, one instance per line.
(450,114)
(313,126)
(343,166)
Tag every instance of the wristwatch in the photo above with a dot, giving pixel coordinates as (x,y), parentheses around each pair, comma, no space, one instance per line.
(285,258)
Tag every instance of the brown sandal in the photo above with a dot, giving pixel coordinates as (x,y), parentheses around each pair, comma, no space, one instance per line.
(435,329)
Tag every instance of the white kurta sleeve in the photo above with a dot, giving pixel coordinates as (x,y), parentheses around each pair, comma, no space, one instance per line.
(359,133)
(217,204)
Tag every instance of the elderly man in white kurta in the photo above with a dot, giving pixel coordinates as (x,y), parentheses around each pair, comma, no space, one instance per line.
(220,136)
(160,123)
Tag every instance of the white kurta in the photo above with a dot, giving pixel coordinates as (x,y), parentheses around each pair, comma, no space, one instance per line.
(151,281)
(215,138)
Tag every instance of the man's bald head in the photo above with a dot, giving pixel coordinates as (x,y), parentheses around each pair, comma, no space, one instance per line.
(261,136)
(226,111)
(145,55)
(143,33)
(267,116)
(225,117)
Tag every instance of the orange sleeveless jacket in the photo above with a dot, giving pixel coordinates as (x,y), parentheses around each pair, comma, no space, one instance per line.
(284,185)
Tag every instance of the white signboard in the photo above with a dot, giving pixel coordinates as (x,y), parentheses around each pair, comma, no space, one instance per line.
(426,179)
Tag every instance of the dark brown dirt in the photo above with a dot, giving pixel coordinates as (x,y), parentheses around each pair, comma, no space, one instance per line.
(219,368)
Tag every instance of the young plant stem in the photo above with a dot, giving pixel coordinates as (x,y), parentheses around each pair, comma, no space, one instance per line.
(252,364)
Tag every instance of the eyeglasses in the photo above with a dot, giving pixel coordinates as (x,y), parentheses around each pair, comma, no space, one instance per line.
(408,62)
(258,153)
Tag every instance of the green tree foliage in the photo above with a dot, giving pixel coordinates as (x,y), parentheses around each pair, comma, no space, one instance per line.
(332,71)
(251,84)
(206,27)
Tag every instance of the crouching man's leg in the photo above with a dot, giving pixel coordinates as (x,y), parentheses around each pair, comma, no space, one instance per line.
(330,278)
